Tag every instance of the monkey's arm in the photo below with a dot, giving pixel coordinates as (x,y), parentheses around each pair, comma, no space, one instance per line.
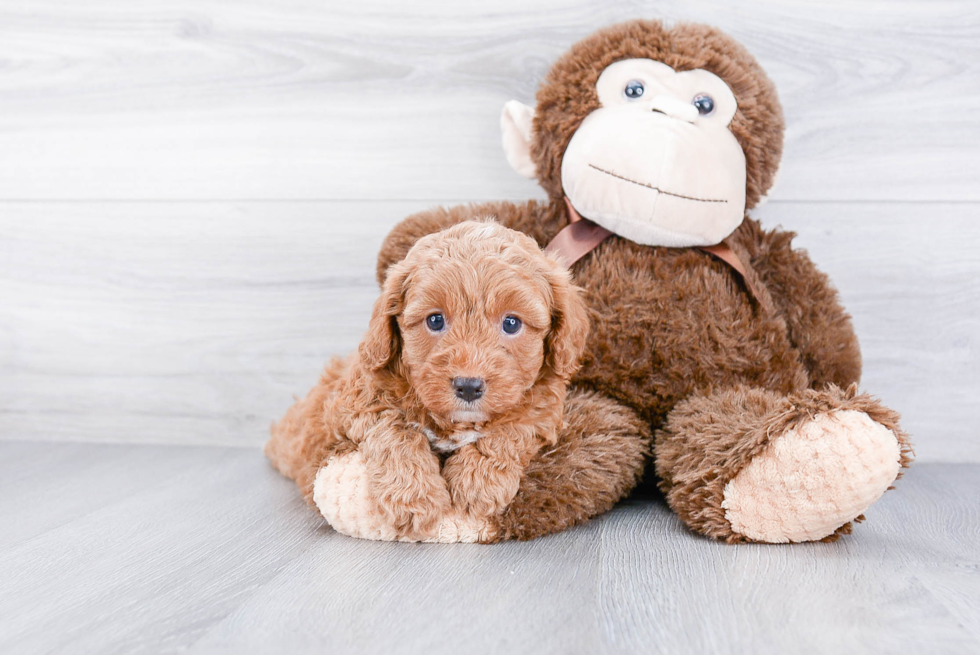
(541,221)
(818,325)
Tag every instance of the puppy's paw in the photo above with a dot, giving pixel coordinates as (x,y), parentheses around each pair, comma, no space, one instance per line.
(344,494)
(414,507)
(417,522)
(464,529)
(478,485)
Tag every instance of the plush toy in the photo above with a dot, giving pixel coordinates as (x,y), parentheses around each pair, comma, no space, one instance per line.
(716,347)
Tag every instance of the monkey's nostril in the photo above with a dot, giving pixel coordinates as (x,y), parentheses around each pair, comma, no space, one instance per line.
(469,389)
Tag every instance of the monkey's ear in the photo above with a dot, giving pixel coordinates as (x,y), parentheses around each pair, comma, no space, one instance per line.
(516,122)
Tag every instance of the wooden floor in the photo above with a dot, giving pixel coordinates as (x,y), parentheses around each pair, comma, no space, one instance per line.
(124,549)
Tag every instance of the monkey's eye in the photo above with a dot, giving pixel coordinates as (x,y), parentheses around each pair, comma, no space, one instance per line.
(435,322)
(633,90)
(511,325)
(704,103)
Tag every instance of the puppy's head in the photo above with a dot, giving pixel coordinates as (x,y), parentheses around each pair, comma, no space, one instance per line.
(474,317)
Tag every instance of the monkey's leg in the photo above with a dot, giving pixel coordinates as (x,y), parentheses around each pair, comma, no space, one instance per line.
(749,464)
(599,457)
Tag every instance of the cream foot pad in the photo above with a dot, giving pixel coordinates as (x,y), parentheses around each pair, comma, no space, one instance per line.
(813,479)
(342,494)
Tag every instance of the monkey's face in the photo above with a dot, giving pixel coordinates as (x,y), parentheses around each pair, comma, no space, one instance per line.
(664,135)
(656,162)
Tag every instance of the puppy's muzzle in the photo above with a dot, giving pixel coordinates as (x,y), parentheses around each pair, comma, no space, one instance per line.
(469,389)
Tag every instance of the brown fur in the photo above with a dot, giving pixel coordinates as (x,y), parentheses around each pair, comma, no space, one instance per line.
(397,386)
(568,94)
(708,439)
(676,342)
(596,462)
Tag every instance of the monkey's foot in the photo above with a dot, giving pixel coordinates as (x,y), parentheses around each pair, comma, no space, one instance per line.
(813,479)
(342,493)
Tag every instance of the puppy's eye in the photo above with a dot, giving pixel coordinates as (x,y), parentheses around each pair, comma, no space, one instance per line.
(435,322)
(512,325)
(633,90)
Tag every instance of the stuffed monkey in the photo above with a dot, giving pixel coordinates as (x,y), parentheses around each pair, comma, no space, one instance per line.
(716,348)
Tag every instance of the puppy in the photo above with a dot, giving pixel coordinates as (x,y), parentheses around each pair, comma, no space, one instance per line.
(459,381)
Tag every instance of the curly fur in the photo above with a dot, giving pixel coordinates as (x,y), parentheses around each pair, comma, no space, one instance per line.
(597,450)
(568,94)
(678,347)
(709,439)
(394,395)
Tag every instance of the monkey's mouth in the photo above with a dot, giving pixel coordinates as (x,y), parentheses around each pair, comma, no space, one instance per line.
(652,187)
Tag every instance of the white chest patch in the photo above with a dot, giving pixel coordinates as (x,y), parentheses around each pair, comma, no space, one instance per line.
(446,444)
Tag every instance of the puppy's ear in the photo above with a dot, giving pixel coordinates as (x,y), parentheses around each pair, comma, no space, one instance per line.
(382,343)
(569,325)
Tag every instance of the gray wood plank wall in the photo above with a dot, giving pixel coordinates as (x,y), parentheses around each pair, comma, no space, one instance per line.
(192,193)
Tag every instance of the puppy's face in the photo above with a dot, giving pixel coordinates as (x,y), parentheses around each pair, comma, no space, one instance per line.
(481,316)
(473,337)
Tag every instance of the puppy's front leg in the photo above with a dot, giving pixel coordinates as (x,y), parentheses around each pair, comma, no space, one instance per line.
(403,473)
(484,476)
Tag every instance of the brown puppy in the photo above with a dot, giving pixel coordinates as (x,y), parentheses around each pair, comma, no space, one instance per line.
(467,357)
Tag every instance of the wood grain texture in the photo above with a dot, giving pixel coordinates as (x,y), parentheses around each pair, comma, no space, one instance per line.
(187,534)
(909,274)
(217,99)
(207,550)
(804,598)
(188,321)
(198,322)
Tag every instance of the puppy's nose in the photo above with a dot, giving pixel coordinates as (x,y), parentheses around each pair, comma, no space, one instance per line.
(468,389)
